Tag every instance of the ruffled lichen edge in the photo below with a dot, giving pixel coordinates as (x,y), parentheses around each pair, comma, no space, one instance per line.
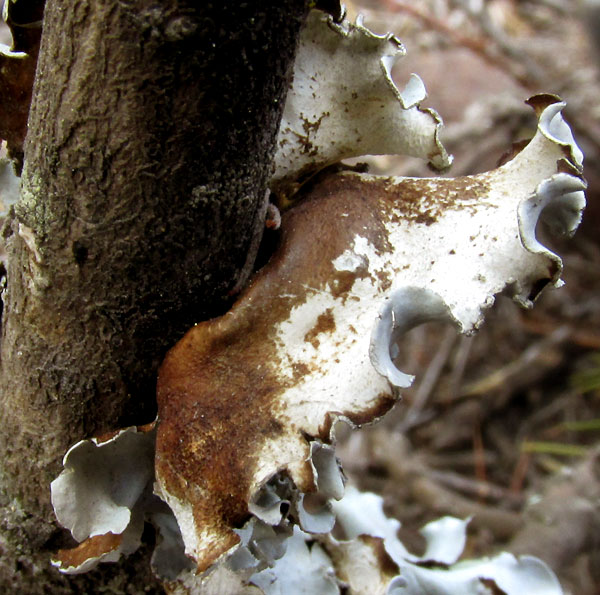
(343,102)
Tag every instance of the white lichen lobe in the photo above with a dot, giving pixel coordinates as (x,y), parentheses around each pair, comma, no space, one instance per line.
(344,103)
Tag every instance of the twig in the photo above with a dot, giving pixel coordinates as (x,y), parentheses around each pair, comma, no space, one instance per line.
(480,46)
(483,490)
(496,34)
(459,460)
(433,496)
(480,471)
(460,365)
(430,379)
(520,472)
(543,416)
(543,326)
(531,355)
(410,471)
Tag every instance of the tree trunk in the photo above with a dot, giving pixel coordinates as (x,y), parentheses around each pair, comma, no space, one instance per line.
(147,158)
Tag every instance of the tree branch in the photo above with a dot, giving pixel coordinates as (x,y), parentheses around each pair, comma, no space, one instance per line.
(147,157)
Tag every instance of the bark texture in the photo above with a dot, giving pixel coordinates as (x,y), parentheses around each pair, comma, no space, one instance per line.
(147,157)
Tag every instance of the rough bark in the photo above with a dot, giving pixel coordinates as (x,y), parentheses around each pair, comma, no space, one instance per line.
(147,156)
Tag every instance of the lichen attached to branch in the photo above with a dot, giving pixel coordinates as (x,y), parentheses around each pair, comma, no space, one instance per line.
(248,402)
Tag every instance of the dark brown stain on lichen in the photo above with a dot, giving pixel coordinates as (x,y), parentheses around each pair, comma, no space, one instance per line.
(341,283)
(383,404)
(107,436)
(385,280)
(385,401)
(509,155)
(325,324)
(387,565)
(425,200)
(565,166)
(91,548)
(310,128)
(300,369)
(220,388)
(541,101)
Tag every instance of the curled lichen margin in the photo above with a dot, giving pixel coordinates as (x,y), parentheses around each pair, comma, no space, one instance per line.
(330,113)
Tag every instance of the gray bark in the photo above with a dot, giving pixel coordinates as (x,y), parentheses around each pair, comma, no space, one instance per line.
(147,156)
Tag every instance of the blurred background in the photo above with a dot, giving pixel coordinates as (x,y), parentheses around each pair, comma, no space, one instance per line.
(503,426)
